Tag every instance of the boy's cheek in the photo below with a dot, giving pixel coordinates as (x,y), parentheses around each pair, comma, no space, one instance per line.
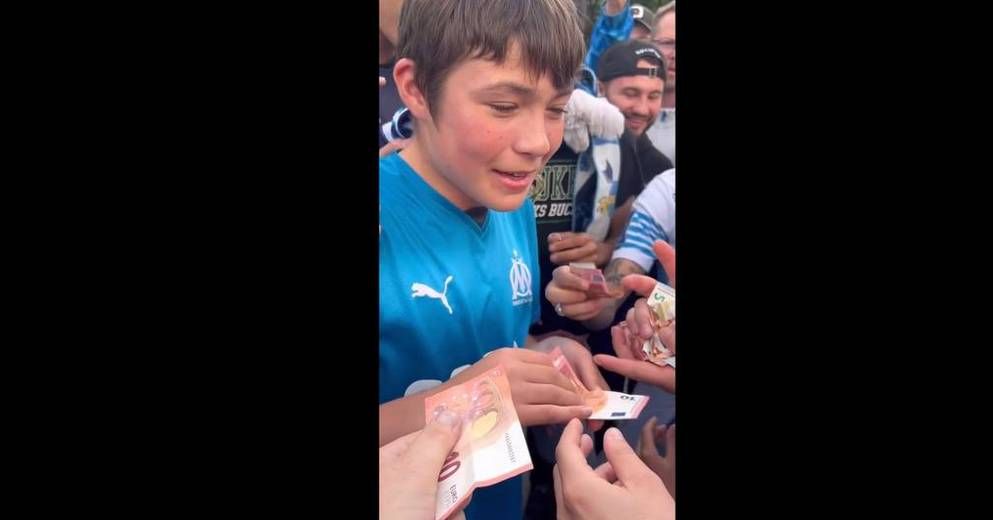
(556,142)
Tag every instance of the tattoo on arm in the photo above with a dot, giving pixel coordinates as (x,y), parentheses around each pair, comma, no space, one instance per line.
(619,268)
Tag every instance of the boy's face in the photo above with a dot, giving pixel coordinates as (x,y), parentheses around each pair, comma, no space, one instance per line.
(493,129)
(639,32)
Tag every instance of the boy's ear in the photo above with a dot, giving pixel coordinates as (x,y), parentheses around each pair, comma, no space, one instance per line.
(601,89)
(410,94)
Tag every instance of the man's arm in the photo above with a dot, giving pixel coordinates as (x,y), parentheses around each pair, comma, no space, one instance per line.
(618,221)
(613,25)
(389,19)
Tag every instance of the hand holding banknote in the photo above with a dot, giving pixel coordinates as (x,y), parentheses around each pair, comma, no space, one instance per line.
(640,326)
(606,404)
(580,360)
(491,446)
(581,370)
(622,487)
(409,468)
(579,291)
(541,394)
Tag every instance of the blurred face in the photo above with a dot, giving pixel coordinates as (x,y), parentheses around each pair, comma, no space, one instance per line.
(638,97)
(665,40)
(640,33)
(493,130)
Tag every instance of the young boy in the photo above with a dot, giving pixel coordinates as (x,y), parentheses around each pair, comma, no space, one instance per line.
(459,279)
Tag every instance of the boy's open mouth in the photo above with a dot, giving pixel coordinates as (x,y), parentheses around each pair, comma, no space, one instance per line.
(516,181)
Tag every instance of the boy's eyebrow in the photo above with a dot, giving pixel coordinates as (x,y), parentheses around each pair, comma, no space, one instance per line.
(508,86)
(518,89)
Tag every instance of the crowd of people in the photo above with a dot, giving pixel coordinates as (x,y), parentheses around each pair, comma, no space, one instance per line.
(509,149)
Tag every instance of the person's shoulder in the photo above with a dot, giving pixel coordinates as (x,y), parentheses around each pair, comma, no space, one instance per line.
(647,148)
(391,163)
(651,157)
(665,180)
(392,169)
(391,190)
(660,188)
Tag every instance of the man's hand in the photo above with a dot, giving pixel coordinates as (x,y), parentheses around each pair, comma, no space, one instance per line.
(663,466)
(568,292)
(629,361)
(567,247)
(613,7)
(623,487)
(409,468)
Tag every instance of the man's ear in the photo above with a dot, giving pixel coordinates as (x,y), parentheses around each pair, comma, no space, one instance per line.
(410,94)
(601,89)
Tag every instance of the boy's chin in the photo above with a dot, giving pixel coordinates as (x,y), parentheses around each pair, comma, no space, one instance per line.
(506,202)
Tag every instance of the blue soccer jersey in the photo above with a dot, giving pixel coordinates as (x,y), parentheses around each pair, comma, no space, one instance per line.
(451,290)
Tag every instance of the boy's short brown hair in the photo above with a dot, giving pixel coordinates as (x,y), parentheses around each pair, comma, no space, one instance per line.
(438,34)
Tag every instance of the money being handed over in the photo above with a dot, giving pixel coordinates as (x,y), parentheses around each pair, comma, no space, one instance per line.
(662,304)
(606,404)
(599,288)
(491,448)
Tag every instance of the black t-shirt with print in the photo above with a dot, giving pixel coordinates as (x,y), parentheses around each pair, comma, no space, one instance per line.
(640,162)
(554,205)
(552,196)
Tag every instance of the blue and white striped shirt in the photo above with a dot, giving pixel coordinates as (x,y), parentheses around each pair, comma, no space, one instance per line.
(653,218)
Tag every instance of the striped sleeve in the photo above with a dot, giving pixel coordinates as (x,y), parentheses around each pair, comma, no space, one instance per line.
(653,218)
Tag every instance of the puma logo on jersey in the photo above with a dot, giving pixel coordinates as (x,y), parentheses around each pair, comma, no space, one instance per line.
(418,290)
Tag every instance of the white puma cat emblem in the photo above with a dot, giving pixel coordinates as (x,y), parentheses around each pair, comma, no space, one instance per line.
(418,289)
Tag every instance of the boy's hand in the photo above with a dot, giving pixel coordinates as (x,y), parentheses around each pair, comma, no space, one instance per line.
(541,394)
(581,360)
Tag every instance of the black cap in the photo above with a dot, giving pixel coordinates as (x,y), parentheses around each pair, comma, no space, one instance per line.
(643,15)
(621,59)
